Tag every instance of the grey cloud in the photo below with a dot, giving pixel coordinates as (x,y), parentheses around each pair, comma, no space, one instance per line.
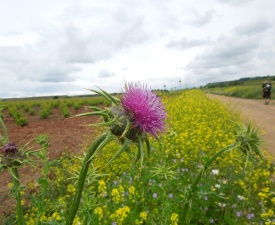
(185,43)
(28,62)
(15,54)
(235,2)
(114,32)
(253,28)
(228,52)
(199,19)
(56,72)
(47,71)
(105,73)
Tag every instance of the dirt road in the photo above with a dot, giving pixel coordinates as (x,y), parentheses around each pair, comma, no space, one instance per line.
(259,115)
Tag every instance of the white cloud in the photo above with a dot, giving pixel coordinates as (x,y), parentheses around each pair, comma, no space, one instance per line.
(63,47)
(187,43)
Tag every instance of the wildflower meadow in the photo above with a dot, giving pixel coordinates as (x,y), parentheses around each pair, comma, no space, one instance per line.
(167,159)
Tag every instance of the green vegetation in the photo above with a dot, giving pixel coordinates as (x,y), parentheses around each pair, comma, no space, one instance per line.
(231,190)
(249,88)
(19,109)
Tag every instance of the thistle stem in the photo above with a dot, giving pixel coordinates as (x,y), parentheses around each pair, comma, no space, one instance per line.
(81,180)
(17,187)
(193,187)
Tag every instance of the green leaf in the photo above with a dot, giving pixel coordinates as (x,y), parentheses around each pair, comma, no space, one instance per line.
(108,123)
(95,108)
(148,146)
(140,152)
(105,95)
(113,99)
(43,182)
(12,172)
(126,144)
(127,128)
(110,137)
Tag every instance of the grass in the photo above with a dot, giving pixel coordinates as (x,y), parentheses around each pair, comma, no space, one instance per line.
(251,89)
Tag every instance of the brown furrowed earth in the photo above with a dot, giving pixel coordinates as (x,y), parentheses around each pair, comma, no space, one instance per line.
(65,134)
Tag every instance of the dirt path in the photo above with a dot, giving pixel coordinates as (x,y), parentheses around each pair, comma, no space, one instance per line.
(261,116)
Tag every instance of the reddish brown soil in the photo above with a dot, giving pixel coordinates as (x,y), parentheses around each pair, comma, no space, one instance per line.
(64,134)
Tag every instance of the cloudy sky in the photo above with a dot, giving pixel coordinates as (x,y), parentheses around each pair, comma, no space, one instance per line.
(65,47)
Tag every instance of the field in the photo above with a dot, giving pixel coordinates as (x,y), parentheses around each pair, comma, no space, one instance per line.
(248,89)
(230,191)
(65,135)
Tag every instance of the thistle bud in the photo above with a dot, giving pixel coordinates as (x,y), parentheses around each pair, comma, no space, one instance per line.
(11,155)
(10,149)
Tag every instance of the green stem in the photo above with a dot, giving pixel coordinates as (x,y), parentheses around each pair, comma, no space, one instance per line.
(81,180)
(193,187)
(17,187)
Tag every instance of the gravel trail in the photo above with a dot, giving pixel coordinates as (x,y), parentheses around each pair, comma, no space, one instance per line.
(261,116)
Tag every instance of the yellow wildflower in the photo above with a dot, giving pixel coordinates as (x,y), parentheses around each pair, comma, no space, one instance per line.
(120,215)
(116,195)
(102,188)
(174,219)
(99,212)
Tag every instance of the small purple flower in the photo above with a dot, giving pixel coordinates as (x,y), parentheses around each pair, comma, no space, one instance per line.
(10,149)
(155,195)
(238,214)
(250,216)
(170,195)
(144,109)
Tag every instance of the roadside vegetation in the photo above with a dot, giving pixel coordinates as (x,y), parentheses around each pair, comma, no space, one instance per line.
(22,109)
(248,88)
(232,190)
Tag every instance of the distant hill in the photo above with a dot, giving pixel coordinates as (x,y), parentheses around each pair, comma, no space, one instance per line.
(241,81)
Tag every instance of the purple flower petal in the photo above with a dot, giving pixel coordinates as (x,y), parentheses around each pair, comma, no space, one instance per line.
(144,108)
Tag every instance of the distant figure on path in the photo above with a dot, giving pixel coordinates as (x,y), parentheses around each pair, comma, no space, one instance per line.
(266,87)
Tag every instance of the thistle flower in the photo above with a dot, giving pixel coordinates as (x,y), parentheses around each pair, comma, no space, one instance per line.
(144,109)
(140,112)
(10,149)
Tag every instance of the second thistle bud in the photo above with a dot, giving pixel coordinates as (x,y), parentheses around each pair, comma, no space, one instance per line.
(10,149)
(11,157)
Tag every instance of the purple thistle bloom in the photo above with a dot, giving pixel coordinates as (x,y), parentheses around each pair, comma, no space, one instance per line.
(144,109)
